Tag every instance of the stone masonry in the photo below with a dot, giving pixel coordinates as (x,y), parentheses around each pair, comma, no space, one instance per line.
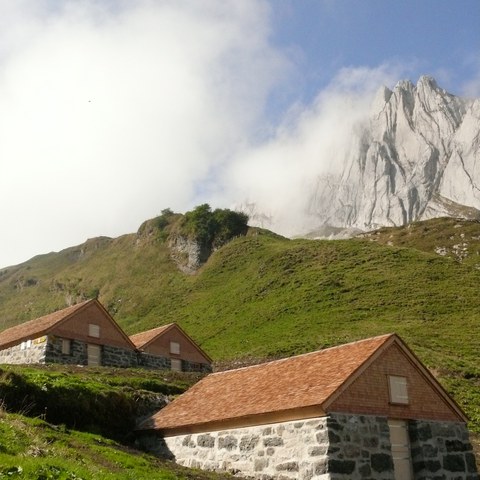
(336,447)
(18,355)
(118,357)
(48,349)
(153,361)
(77,356)
(327,448)
(441,450)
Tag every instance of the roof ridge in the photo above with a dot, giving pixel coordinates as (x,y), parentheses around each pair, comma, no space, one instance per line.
(152,329)
(279,360)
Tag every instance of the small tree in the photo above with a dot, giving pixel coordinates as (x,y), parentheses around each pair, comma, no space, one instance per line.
(214,229)
(229,224)
(200,224)
(164,219)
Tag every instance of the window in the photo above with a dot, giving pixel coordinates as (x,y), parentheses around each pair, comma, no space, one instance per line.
(176,364)
(29,343)
(93,330)
(175,348)
(23,346)
(398,389)
(66,346)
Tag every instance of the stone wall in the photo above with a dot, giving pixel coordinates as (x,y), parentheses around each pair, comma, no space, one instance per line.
(118,357)
(359,447)
(328,448)
(188,366)
(336,447)
(77,356)
(284,450)
(49,350)
(441,450)
(18,355)
(153,361)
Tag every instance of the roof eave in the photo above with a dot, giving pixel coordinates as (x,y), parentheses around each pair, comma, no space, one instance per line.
(259,419)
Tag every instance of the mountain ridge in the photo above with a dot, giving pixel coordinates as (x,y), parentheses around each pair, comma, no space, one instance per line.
(415,158)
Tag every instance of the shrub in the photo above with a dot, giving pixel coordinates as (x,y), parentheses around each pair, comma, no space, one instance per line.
(213,229)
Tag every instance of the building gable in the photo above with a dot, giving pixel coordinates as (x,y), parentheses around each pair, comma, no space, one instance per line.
(92,324)
(39,326)
(164,341)
(395,384)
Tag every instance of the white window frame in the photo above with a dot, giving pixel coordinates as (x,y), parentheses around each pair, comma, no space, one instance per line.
(93,330)
(66,346)
(175,348)
(398,389)
(23,345)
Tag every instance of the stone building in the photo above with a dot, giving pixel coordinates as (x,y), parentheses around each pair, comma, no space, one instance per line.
(365,410)
(86,334)
(170,341)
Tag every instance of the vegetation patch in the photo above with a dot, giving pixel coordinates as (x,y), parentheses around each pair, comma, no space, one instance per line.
(101,400)
(36,450)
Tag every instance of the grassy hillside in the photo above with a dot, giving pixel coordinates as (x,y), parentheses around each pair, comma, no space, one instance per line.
(449,237)
(266,296)
(90,399)
(102,400)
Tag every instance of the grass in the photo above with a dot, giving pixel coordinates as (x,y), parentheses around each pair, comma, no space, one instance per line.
(88,399)
(101,400)
(265,296)
(34,449)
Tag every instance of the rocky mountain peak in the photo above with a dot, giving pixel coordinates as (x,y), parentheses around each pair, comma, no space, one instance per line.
(419,158)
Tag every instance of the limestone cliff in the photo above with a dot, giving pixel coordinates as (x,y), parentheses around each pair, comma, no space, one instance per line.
(417,157)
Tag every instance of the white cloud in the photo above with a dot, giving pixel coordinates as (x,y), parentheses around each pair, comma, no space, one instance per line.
(280,175)
(110,112)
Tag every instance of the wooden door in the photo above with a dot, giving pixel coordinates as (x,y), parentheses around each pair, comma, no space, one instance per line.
(94,355)
(400,449)
(176,364)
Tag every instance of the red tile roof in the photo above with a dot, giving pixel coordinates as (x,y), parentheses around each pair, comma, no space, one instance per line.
(298,382)
(38,327)
(141,339)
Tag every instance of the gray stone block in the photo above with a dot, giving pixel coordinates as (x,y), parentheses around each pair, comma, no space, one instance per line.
(249,442)
(454,463)
(229,442)
(346,467)
(273,442)
(288,466)
(206,441)
(381,462)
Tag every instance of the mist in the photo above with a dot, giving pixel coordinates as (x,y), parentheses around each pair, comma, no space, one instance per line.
(113,111)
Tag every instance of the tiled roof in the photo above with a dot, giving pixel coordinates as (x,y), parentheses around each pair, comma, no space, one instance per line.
(38,327)
(141,339)
(303,381)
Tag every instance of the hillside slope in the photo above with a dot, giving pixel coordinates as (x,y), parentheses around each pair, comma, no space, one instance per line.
(265,296)
(78,405)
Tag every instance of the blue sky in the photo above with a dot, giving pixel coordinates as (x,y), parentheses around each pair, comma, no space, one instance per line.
(436,37)
(111,111)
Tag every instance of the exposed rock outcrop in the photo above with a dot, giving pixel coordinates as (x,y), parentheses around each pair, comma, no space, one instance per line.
(189,254)
(418,157)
